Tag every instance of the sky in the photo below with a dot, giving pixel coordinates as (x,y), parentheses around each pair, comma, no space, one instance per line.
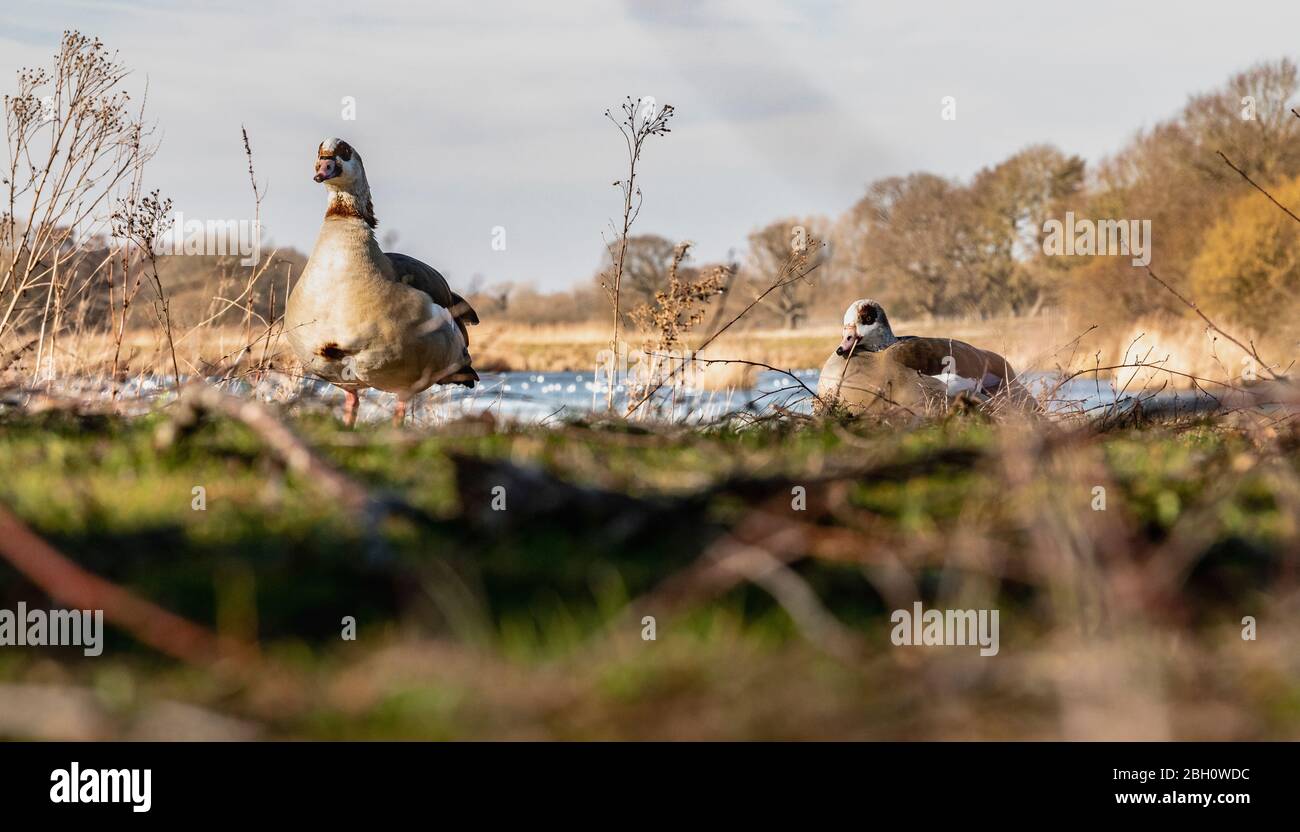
(474,116)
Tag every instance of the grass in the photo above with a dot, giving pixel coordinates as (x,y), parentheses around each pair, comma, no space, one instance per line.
(521,626)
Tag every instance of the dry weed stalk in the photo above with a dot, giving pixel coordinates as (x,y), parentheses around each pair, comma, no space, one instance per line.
(682,305)
(677,309)
(74,148)
(796,268)
(640,120)
(138,221)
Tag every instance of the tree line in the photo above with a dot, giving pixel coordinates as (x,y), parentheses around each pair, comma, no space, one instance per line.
(928,245)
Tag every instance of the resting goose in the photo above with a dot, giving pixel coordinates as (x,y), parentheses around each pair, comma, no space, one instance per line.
(361,318)
(873,368)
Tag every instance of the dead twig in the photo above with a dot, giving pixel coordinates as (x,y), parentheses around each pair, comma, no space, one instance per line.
(1251,351)
(296,455)
(69,584)
(759,550)
(795,274)
(1256,185)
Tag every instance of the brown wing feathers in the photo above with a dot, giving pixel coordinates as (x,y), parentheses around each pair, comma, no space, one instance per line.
(927,356)
(427,279)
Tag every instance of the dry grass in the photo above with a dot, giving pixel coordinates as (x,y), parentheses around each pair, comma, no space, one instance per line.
(1174,351)
(209,350)
(1042,342)
(1189,348)
(557,348)
(725,377)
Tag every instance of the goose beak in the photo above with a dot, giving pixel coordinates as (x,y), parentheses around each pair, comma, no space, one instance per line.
(326,169)
(851,339)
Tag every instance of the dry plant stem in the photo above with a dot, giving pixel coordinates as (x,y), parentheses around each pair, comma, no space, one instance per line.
(69,584)
(269,334)
(634,136)
(73,145)
(759,566)
(758,551)
(1191,305)
(1256,186)
(628,216)
(1146,365)
(791,266)
(758,364)
(254,271)
(292,451)
(678,307)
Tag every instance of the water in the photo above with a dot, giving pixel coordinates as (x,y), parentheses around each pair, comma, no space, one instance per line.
(552,397)
(549,398)
(539,398)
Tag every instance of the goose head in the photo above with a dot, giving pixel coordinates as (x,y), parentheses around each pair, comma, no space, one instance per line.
(338,166)
(865,324)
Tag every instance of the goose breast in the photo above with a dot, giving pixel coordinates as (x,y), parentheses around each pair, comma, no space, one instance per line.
(873,382)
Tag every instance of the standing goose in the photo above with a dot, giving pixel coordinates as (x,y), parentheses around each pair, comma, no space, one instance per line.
(872,367)
(361,318)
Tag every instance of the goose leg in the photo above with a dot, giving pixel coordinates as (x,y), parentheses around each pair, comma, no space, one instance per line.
(399,413)
(350,402)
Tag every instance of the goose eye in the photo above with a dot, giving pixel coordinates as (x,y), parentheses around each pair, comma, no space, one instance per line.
(868,315)
(344,151)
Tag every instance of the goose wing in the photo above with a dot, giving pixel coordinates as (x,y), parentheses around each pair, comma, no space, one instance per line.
(422,276)
(940,356)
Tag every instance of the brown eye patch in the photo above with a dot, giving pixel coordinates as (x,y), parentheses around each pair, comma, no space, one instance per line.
(344,151)
(867,315)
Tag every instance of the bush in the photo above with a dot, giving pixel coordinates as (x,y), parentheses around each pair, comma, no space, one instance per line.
(1249,265)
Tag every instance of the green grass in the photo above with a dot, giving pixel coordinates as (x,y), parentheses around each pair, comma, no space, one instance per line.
(521,630)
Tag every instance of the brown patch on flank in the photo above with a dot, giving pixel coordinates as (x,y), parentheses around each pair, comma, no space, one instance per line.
(332,352)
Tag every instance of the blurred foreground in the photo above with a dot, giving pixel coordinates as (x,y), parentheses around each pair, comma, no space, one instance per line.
(526,617)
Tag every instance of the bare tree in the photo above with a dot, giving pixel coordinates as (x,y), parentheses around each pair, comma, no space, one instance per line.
(646,263)
(499,294)
(1248,118)
(1172,174)
(770,249)
(905,241)
(1007,204)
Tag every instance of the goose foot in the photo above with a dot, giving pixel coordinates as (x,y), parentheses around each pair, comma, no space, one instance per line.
(350,403)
